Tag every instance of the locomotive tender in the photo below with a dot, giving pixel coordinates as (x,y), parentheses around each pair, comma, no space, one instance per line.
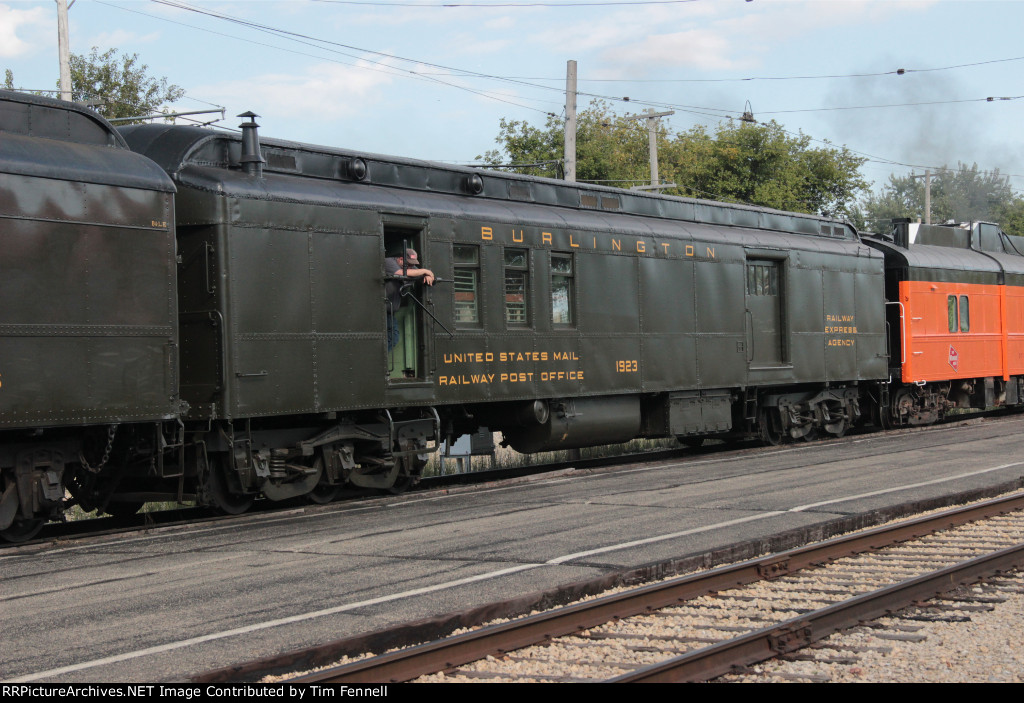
(194,314)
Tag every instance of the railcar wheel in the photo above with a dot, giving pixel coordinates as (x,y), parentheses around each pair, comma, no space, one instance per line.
(811,435)
(218,490)
(770,434)
(691,442)
(323,492)
(409,470)
(835,418)
(903,407)
(22,530)
(303,485)
(838,428)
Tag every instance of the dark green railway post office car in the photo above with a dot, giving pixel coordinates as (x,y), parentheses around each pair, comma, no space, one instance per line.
(563,315)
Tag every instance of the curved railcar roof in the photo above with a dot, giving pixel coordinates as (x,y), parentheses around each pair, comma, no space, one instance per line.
(975,252)
(48,138)
(177,148)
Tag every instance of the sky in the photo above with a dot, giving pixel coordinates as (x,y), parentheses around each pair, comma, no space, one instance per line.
(432,79)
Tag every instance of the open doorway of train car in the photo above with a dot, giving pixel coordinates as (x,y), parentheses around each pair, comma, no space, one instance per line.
(403,331)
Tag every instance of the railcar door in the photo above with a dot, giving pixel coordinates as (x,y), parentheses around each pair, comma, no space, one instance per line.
(403,328)
(764,312)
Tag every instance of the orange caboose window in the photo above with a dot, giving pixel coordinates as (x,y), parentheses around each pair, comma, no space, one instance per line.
(959,315)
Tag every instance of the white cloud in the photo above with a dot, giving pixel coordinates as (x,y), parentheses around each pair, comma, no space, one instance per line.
(323,92)
(710,36)
(14,24)
(690,48)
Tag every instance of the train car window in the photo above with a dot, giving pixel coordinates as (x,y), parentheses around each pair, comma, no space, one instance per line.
(561,289)
(951,313)
(516,285)
(466,260)
(762,279)
(965,314)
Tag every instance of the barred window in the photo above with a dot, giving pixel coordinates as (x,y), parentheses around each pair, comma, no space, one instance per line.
(466,260)
(561,289)
(762,279)
(516,286)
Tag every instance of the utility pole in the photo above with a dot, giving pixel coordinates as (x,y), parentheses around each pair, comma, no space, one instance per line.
(927,194)
(570,121)
(63,48)
(652,139)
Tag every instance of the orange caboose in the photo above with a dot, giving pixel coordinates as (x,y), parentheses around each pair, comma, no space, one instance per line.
(955,299)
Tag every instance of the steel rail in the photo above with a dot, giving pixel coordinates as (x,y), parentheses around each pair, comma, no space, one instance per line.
(722,658)
(497,640)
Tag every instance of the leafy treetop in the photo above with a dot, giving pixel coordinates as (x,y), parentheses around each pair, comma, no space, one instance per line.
(117,83)
(757,164)
(958,195)
(121,82)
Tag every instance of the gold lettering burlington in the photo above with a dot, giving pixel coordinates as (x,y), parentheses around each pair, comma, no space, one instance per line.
(575,241)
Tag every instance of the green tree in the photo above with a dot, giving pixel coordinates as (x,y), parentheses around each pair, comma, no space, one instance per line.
(758,164)
(764,165)
(610,149)
(959,195)
(121,82)
(1010,215)
(117,84)
(529,149)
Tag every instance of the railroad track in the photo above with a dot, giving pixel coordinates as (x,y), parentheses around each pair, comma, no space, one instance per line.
(699,627)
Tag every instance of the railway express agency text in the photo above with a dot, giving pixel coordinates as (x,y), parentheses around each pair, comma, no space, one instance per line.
(207,692)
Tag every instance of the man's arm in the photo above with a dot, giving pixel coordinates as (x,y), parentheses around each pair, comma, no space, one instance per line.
(426,274)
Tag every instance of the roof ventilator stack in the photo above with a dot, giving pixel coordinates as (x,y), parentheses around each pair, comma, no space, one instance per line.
(252,160)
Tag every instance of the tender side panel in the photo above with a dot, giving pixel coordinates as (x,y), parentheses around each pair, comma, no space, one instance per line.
(953,330)
(87,324)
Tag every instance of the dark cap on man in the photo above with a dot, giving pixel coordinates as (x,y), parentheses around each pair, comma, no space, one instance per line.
(410,255)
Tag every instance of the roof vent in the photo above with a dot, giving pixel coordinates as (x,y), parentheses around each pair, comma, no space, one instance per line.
(357,169)
(252,159)
(474,184)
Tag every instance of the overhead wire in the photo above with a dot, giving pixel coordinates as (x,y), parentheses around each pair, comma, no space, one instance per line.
(359,62)
(305,38)
(739,79)
(317,42)
(700,111)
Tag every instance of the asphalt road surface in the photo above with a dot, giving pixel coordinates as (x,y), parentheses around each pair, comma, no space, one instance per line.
(162,605)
